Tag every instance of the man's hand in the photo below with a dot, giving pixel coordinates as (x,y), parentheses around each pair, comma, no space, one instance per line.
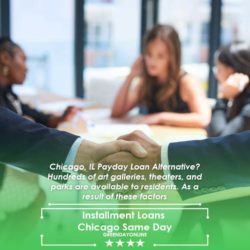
(90,152)
(153,149)
(123,158)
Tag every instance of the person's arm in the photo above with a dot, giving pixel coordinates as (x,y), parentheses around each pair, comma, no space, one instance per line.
(224,162)
(221,127)
(33,147)
(49,120)
(126,98)
(219,118)
(30,145)
(200,113)
(36,115)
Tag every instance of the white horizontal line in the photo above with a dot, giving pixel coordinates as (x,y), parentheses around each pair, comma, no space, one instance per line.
(69,245)
(128,204)
(63,245)
(180,245)
(184,245)
(123,208)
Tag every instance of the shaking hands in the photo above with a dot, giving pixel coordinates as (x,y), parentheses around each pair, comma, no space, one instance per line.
(130,150)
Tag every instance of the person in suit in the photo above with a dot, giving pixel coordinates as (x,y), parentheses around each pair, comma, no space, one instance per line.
(225,165)
(33,147)
(224,161)
(231,113)
(167,94)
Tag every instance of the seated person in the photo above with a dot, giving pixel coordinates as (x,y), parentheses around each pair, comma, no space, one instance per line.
(15,185)
(232,110)
(13,70)
(169,95)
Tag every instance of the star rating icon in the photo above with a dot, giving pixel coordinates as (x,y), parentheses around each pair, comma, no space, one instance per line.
(140,243)
(130,243)
(109,243)
(121,243)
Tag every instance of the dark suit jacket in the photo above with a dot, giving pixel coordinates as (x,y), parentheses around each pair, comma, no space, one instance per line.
(29,145)
(225,162)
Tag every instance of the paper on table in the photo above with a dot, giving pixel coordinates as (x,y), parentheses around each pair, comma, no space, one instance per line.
(96,114)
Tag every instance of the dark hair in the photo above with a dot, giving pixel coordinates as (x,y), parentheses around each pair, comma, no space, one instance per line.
(235,55)
(165,97)
(7,45)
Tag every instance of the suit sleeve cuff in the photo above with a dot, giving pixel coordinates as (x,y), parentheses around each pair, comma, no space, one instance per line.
(73,151)
(164,156)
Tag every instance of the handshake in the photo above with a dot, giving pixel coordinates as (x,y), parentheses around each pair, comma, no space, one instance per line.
(128,150)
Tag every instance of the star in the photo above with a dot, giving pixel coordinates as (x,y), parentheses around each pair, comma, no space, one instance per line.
(120,243)
(109,243)
(130,243)
(140,243)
